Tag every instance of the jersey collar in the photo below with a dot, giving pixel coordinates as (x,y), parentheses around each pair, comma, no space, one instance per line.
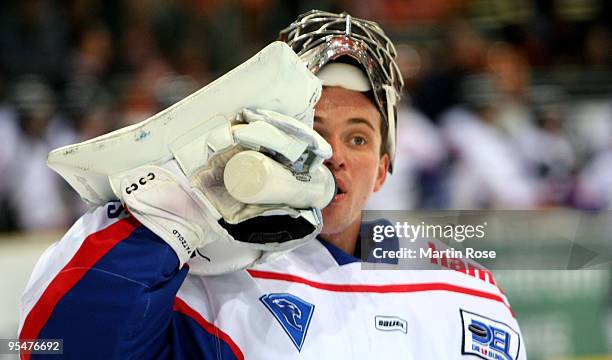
(366,233)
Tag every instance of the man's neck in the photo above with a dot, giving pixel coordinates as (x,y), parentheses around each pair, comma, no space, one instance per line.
(345,240)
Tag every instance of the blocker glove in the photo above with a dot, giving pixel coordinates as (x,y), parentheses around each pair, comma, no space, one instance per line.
(191,209)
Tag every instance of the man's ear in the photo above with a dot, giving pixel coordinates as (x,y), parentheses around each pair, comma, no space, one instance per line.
(383,170)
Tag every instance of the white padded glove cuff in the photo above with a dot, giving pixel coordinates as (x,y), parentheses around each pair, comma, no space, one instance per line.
(165,204)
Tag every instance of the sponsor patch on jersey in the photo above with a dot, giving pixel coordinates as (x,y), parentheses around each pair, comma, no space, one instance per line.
(390,323)
(488,339)
(292,313)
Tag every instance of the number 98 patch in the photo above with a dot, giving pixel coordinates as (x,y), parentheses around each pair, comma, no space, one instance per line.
(488,338)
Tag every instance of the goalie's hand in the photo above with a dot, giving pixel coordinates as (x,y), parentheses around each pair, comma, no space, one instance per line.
(285,139)
(272,228)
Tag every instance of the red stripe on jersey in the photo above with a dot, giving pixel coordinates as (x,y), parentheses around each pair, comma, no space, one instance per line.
(93,248)
(182,307)
(381,289)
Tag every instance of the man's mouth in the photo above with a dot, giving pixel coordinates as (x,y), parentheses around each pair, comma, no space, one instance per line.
(341,193)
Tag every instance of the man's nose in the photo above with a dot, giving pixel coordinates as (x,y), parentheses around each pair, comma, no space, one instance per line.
(338,159)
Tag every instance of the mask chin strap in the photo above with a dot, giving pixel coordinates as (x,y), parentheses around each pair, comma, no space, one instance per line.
(391,96)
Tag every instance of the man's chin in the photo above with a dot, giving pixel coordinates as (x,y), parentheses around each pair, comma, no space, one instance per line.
(334,221)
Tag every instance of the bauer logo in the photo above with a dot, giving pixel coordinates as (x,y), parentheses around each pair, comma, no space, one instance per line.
(390,323)
(488,339)
(292,313)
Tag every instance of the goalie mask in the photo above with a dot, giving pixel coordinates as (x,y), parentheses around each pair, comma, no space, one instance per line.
(328,41)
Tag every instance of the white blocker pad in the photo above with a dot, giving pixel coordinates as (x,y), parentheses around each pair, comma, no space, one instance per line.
(274,79)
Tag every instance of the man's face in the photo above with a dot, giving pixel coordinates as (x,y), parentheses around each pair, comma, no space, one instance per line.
(350,122)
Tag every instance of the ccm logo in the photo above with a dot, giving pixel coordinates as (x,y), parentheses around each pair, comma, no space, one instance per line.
(142,181)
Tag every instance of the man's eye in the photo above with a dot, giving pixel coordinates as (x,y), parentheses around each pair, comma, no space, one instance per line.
(358,140)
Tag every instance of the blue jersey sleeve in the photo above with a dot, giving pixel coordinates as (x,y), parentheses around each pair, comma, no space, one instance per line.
(112,299)
(109,288)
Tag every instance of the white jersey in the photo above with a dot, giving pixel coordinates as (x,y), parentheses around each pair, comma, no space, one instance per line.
(313,303)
